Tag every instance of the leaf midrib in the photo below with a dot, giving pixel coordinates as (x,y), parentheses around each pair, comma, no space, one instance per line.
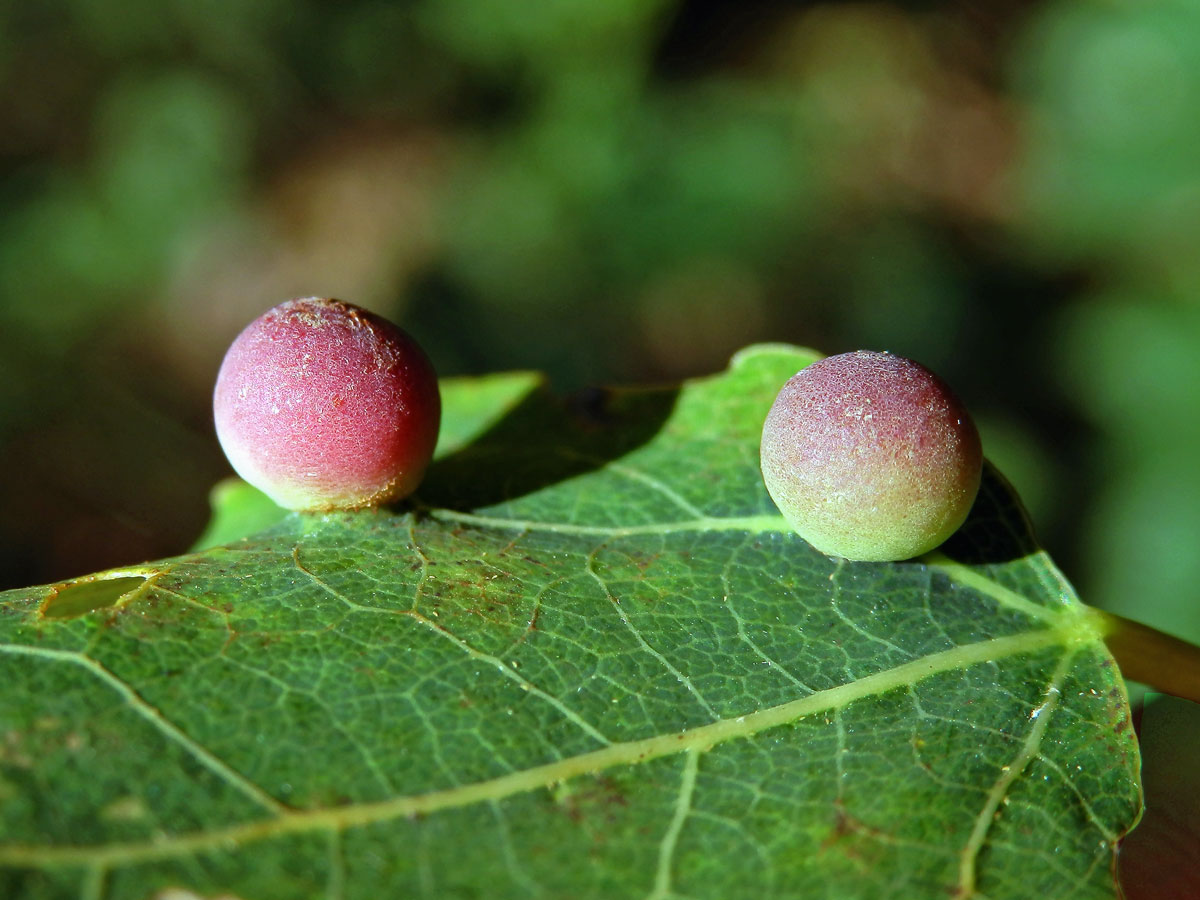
(700,738)
(1069,626)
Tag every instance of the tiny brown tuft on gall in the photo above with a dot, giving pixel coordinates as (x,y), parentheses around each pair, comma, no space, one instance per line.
(870,456)
(323,405)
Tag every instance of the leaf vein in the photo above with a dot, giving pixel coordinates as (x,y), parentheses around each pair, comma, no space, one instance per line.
(683,807)
(172,732)
(645,645)
(1028,751)
(702,737)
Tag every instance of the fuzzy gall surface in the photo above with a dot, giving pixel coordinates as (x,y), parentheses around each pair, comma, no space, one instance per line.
(870,456)
(322,405)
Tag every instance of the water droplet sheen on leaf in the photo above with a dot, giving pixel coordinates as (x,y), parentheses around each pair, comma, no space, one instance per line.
(870,456)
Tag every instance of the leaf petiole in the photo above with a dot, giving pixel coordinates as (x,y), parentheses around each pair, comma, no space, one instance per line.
(1166,663)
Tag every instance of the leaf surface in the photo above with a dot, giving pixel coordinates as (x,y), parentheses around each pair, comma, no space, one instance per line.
(589,661)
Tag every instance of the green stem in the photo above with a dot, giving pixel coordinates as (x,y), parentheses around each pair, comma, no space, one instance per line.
(1145,654)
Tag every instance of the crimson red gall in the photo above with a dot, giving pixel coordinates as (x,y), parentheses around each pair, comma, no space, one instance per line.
(870,456)
(323,405)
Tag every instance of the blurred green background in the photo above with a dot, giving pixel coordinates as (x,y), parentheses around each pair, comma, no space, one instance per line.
(609,190)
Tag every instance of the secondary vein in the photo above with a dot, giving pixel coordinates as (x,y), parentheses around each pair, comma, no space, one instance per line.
(1029,748)
(160,722)
(754,524)
(683,807)
(699,739)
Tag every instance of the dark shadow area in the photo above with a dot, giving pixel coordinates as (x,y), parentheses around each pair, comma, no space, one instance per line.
(546,440)
(997,529)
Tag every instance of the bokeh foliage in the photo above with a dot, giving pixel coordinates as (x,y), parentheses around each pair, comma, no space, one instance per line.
(607,191)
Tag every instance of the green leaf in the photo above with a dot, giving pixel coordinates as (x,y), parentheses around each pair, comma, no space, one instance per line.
(238,509)
(589,661)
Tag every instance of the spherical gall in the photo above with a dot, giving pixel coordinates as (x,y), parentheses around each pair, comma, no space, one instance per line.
(870,456)
(322,405)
